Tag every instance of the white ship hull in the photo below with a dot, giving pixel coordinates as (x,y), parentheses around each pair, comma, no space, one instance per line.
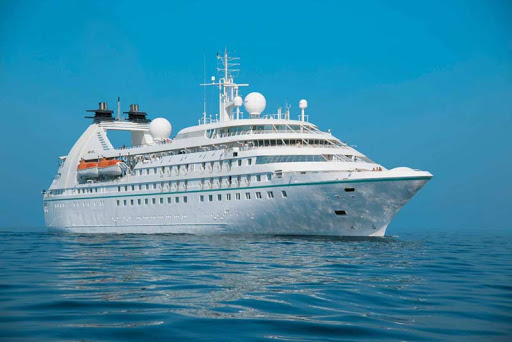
(308,209)
(265,174)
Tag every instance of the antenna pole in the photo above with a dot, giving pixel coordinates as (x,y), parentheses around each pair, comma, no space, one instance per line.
(118,108)
(204,89)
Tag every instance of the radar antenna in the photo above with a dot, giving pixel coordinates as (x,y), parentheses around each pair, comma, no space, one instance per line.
(228,89)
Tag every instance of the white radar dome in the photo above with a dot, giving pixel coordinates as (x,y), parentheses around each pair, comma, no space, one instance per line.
(303,104)
(255,103)
(238,101)
(160,129)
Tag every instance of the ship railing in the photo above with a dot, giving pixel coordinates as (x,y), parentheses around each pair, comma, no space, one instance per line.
(124,148)
(268,131)
(253,147)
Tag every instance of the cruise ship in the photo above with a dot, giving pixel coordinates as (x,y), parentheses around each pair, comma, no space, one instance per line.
(240,171)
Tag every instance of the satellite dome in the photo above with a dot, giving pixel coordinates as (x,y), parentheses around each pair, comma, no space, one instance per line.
(238,101)
(160,129)
(303,104)
(255,103)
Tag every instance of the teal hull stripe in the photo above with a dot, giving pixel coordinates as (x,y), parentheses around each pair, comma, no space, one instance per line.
(370,180)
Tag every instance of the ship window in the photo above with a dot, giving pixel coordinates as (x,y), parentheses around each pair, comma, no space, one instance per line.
(228,197)
(118,203)
(185,199)
(201,198)
(210,198)
(133,187)
(126,188)
(235,154)
(258,195)
(124,202)
(247,195)
(270,194)
(350,189)
(139,201)
(153,200)
(177,200)
(249,161)
(340,212)
(237,196)
(284,193)
(161,200)
(219,197)
(269,177)
(258,178)
(239,162)
(146,201)
(154,186)
(131,202)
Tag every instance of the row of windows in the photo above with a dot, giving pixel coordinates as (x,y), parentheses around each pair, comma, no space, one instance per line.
(238,196)
(178,185)
(289,159)
(204,166)
(154,200)
(202,198)
(205,182)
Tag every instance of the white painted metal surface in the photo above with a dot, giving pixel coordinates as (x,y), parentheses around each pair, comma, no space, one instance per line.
(263,175)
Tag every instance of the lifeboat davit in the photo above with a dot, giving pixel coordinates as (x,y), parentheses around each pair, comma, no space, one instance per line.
(88,169)
(112,167)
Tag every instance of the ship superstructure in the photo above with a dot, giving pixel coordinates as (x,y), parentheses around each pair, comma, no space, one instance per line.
(234,173)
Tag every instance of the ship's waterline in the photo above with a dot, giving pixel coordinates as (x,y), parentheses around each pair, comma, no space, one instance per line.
(265,174)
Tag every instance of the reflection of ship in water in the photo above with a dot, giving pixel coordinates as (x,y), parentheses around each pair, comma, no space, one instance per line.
(221,277)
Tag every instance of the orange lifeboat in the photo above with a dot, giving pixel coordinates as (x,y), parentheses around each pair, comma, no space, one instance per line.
(88,169)
(112,167)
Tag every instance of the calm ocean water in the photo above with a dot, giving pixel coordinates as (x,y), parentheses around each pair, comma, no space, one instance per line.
(428,286)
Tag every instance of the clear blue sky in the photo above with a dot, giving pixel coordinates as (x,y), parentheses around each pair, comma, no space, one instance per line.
(420,84)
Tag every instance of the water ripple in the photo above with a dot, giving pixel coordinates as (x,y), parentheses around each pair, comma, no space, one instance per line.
(136,287)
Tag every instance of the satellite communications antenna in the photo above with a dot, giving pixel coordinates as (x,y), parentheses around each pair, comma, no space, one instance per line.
(228,89)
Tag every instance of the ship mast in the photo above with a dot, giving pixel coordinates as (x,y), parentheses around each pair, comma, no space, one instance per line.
(228,89)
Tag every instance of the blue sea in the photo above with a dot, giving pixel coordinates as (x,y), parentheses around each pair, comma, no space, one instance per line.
(414,287)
